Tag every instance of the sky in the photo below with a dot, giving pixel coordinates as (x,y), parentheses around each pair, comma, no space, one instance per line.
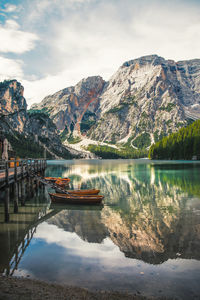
(49,45)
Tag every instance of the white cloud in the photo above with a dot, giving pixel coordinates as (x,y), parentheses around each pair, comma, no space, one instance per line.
(10,69)
(14,40)
(38,8)
(36,90)
(85,38)
(10,8)
(106,252)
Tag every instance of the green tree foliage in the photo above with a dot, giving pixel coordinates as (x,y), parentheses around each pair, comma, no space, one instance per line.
(63,135)
(107,152)
(142,141)
(183,144)
(73,140)
(38,112)
(25,147)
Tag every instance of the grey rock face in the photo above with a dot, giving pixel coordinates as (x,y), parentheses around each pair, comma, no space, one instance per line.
(14,118)
(68,106)
(148,95)
(145,99)
(13,104)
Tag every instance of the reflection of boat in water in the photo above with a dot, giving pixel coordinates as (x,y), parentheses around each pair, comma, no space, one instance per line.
(76,199)
(57,207)
(82,192)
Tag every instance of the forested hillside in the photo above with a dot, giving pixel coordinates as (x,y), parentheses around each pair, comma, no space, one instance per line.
(107,152)
(184,144)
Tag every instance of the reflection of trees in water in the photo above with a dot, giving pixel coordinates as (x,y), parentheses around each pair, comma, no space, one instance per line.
(186,177)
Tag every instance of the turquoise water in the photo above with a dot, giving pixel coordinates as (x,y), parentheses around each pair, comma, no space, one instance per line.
(145,238)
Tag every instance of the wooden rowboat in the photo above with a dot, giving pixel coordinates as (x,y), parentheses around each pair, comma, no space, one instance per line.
(76,199)
(62,182)
(53,179)
(83,192)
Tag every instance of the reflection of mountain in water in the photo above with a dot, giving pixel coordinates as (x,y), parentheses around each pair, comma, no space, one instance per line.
(87,224)
(153,218)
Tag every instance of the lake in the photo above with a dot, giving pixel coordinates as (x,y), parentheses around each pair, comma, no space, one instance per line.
(144,239)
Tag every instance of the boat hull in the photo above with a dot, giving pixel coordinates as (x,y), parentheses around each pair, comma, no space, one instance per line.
(54,179)
(82,192)
(76,199)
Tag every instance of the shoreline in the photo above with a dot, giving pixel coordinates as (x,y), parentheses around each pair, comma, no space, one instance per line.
(21,288)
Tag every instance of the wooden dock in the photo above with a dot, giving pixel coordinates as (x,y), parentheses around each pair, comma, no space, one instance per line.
(12,171)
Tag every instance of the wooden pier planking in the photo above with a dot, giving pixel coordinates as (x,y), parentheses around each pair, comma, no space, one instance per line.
(22,168)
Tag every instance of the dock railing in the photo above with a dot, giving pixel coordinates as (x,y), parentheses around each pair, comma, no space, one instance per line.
(16,169)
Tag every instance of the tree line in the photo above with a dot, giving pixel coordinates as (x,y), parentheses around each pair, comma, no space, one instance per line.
(184,144)
(107,152)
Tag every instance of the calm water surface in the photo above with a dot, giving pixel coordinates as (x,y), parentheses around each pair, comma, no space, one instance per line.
(145,238)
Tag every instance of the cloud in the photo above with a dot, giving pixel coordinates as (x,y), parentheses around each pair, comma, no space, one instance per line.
(37,89)
(80,38)
(106,252)
(38,9)
(10,68)
(10,8)
(14,40)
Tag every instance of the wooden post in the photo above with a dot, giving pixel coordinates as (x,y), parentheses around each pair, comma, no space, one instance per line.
(15,197)
(7,204)
(19,189)
(7,173)
(27,168)
(23,193)
(31,165)
(32,186)
(29,187)
(15,170)
(22,169)
(34,165)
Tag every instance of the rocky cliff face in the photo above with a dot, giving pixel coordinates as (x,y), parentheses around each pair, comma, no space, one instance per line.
(68,107)
(145,99)
(148,97)
(13,107)
(20,126)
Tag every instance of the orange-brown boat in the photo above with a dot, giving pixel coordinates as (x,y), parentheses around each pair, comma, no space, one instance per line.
(62,183)
(54,179)
(83,192)
(76,199)
(51,178)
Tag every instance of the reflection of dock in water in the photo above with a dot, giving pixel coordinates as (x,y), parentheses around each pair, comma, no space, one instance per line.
(16,234)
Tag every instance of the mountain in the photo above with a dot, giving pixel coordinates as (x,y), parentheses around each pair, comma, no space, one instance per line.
(146,99)
(69,107)
(29,133)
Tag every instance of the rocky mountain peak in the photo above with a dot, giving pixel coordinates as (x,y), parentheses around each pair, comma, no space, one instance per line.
(12,97)
(27,130)
(146,98)
(68,106)
(143,60)
(89,84)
